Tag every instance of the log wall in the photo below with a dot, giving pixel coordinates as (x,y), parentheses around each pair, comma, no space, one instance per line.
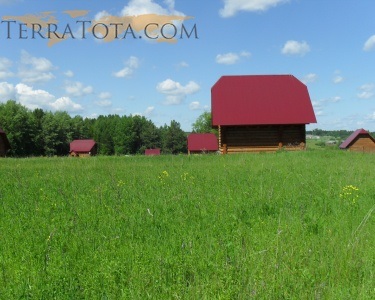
(234,139)
(362,144)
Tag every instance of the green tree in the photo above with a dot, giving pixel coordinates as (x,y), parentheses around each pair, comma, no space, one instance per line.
(174,138)
(203,124)
(17,122)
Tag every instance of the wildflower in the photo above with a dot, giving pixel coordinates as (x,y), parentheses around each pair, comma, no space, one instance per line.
(120,183)
(349,194)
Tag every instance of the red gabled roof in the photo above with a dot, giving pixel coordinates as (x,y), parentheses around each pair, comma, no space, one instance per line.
(345,144)
(260,100)
(82,146)
(202,142)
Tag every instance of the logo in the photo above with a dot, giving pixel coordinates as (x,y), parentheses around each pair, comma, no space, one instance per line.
(107,28)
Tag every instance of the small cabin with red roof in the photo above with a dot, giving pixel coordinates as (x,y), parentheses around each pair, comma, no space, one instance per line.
(82,148)
(202,143)
(256,113)
(152,152)
(4,143)
(360,141)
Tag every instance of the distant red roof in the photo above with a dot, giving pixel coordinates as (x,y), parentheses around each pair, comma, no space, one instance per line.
(82,146)
(260,100)
(152,151)
(202,142)
(353,136)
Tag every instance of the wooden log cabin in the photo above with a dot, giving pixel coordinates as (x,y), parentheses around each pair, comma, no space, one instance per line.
(255,113)
(359,141)
(83,148)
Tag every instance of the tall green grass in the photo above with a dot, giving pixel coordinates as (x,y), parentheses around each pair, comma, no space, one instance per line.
(255,226)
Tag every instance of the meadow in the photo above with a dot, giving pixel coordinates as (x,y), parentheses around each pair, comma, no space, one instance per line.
(255,226)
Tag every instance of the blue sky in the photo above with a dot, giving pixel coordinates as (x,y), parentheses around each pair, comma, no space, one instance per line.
(329,45)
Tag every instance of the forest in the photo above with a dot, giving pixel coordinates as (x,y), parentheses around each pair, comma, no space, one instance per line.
(44,133)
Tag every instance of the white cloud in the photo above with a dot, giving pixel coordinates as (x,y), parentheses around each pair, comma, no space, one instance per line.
(149,111)
(335,99)
(231,7)
(227,59)
(104,103)
(105,95)
(175,91)
(130,66)
(309,78)
(338,79)
(183,64)
(77,89)
(101,14)
(140,7)
(35,69)
(104,99)
(231,58)
(33,99)
(245,54)
(195,105)
(69,73)
(7,92)
(295,48)
(369,44)
(66,104)
(366,91)
(5,65)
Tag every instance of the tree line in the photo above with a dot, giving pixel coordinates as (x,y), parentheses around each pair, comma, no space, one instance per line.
(45,133)
(338,134)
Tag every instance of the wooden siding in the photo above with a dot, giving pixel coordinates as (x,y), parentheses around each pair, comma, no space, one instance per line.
(362,144)
(233,139)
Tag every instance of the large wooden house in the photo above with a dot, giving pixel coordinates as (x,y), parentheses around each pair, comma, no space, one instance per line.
(256,113)
(4,143)
(359,141)
(83,148)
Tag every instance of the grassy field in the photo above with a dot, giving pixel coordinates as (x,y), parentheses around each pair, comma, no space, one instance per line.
(257,226)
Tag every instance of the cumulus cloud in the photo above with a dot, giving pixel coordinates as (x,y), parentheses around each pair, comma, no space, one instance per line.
(149,111)
(369,44)
(295,48)
(77,89)
(309,78)
(175,92)
(183,64)
(104,99)
(36,98)
(7,92)
(66,104)
(318,108)
(5,65)
(366,91)
(232,7)
(35,69)
(231,58)
(338,79)
(130,66)
(195,105)
(103,103)
(141,7)
(69,73)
